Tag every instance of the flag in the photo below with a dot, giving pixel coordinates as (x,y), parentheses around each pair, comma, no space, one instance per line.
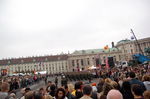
(107,65)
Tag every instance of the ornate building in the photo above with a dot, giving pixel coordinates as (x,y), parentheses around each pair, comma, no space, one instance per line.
(129,48)
(81,59)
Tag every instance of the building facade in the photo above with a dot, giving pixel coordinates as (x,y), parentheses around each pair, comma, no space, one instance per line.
(128,48)
(51,64)
(78,60)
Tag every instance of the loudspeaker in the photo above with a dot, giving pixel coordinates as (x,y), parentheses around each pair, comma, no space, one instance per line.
(97,62)
(111,61)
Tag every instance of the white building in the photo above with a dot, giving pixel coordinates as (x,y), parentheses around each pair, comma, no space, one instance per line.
(51,64)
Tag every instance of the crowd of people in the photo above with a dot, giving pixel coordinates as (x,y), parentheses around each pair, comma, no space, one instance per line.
(114,83)
(17,82)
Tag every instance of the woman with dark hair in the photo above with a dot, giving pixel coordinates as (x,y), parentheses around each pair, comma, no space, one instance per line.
(126,90)
(52,90)
(60,94)
(137,91)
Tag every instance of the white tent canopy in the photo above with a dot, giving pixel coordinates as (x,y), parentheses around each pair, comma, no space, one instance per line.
(40,72)
(92,67)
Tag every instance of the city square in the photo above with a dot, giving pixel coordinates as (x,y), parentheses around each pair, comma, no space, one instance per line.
(82,49)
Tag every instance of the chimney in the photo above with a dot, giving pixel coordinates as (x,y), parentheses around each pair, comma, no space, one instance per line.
(112,43)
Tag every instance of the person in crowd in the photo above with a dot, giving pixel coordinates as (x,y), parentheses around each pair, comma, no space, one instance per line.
(87,91)
(37,95)
(52,90)
(23,93)
(146,81)
(133,80)
(71,88)
(94,91)
(100,86)
(146,94)
(64,81)
(60,94)
(4,90)
(78,89)
(29,95)
(56,81)
(68,94)
(114,84)
(48,86)
(11,96)
(114,94)
(137,91)
(45,79)
(126,90)
(108,80)
(106,88)
(42,91)
(27,89)
(48,97)
(94,88)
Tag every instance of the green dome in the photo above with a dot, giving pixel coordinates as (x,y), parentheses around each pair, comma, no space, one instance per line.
(123,41)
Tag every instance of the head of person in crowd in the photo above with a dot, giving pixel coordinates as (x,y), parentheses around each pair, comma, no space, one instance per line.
(11,96)
(27,90)
(48,97)
(108,80)
(48,86)
(42,91)
(132,75)
(78,85)
(37,95)
(126,85)
(66,89)
(106,88)
(146,81)
(137,91)
(146,94)
(146,78)
(87,90)
(114,94)
(115,85)
(100,85)
(4,87)
(70,88)
(49,83)
(52,90)
(126,90)
(23,91)
(68,93)
(53,87)
(29,95)
(94,88)
(78,89)
(60,93)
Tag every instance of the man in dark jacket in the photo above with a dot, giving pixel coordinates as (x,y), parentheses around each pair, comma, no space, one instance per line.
(135,81)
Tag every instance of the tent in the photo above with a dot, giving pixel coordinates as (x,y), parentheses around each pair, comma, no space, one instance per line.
(92,67)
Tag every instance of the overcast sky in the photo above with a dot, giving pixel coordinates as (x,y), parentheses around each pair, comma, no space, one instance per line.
(44,27)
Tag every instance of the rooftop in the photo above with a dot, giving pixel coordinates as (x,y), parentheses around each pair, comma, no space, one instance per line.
(33,59)
(95,51)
